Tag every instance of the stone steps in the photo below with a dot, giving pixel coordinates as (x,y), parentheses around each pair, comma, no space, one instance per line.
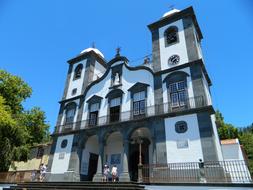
(76,186)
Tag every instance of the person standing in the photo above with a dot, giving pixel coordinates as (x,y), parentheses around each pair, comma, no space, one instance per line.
(114,173)
(106,172)
(43,169)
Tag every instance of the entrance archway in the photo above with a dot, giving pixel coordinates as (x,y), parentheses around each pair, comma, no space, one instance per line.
(113,152)
(89,159)
(140,135)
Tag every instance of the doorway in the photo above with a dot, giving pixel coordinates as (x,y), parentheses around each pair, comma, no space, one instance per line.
(134,158)
(93,164)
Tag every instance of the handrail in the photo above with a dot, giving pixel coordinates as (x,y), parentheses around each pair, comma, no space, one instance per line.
(233,171)
(169,107)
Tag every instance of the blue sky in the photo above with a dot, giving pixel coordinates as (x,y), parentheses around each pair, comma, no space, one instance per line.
(38,37)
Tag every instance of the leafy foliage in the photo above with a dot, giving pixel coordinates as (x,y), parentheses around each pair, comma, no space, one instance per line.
(245,136)
(14,90)
(225,130)
(19,129)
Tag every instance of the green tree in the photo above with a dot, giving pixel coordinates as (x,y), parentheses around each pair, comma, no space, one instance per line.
(19,128)
(225,130)
(246,139)
(10,135)
(34,121)
(14,90)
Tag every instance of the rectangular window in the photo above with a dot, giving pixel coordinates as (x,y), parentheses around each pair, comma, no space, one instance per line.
(115,109)
(93,118)
(178,94)
(115,102)
(94,108)
(70,116)
(139,106)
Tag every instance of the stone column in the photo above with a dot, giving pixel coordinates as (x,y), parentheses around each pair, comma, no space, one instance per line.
(154,150)
(99,175)
(124,176)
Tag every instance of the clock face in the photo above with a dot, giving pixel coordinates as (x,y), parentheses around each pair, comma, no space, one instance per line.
(174,59)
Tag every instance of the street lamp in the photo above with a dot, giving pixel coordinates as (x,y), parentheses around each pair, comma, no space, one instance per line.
(139,141)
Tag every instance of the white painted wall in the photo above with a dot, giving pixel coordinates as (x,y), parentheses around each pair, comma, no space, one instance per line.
(114,145)
(194,151)
(91,146)
(217,139)
(61,165)
(99,70)
(237,171)
(178,48)
(76,83)
(129,78)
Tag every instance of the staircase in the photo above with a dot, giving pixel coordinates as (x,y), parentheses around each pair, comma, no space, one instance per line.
(76,186)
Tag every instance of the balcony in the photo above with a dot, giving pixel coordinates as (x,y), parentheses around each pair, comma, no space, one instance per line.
(150,111)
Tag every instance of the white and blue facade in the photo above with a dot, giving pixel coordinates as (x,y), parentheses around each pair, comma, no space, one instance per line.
(109,107)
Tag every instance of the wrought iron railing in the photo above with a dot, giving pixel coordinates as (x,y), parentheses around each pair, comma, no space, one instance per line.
(150,111)
(195,172)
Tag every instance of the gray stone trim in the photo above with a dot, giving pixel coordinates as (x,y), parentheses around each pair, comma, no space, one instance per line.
(156,62)
(196,62)
(74,162)
(190,40)
(94,99)
(197,81)
(88,76)
(175,77)
(67,82)
(138,87)
(60,114)
(51,154)
(83,56)
(114,94)
(207,137)
(158,89)
(172,18)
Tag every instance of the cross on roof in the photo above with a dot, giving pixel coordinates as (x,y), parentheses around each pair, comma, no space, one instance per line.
(171,7)
(93,45)
(118,49)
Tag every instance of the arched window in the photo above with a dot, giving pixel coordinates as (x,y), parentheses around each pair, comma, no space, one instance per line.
(70,112)
(78,71)
(176,84)
(171,35)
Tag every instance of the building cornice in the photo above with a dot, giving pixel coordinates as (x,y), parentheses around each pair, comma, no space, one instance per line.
(188,12)
(176,68)
(88,54)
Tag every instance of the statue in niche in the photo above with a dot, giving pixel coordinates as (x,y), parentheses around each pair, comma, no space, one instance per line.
(116,79)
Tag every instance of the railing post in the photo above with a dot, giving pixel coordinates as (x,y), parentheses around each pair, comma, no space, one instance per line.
(140,177)
(202,171)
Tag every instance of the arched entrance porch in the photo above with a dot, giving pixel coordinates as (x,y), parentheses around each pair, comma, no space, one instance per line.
(113,151)
(139,150)
(89,158)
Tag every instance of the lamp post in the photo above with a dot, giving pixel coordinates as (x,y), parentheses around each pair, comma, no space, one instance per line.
(139,141)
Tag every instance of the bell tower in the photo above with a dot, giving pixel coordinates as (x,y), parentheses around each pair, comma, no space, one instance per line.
(176,39)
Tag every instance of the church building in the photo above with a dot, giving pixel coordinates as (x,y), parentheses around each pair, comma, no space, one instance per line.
(155,113)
